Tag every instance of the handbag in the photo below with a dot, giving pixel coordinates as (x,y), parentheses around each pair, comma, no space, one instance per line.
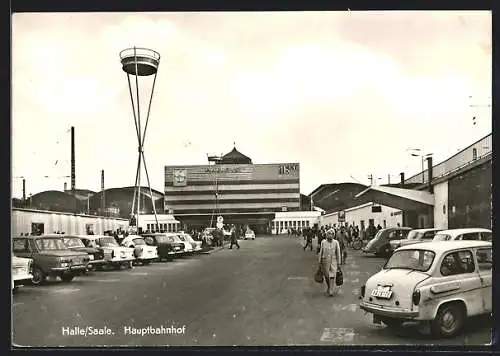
(318,276)
(339,278)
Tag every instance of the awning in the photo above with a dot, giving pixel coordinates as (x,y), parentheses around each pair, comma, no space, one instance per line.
(402,199)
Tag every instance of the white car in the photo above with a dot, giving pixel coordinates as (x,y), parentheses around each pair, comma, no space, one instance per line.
(188,246)
(249,235)
(415,236)
(142,251)
(464,234)
(196,244)
(114,254)
(22,269)
(438,284)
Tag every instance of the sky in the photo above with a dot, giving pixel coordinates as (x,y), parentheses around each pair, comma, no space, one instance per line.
(345,94)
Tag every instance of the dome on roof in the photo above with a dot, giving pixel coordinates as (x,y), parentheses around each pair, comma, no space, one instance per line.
(235,157)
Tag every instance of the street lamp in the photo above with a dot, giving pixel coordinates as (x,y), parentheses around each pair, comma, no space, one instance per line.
(214,158)
(422,156)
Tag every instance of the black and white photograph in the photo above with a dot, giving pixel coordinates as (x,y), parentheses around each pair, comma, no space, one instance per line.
(265,178)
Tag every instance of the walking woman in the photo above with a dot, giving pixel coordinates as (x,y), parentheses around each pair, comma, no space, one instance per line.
(329,260)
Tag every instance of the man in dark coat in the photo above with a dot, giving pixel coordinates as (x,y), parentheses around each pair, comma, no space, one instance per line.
(234,239)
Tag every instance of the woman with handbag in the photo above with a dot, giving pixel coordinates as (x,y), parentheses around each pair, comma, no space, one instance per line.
(329,260)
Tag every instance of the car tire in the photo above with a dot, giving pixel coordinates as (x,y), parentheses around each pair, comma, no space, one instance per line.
(392,323)
(67,277)
(449,320)
(38,276)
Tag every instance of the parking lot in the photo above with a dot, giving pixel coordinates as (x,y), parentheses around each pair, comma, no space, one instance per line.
(262,294)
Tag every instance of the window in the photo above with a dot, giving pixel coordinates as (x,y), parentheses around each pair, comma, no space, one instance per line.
(470,236)
(484,258)
(20,245)
(420,260)
(486,236)
(385,224)
(371,222)
(474,154)
(37,229)
(307,223)
(429,235)
(457,262)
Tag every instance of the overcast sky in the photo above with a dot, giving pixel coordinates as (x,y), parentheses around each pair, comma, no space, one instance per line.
(342,93)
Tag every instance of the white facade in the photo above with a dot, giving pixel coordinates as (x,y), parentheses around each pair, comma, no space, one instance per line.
(24,221)
(441,205)
(166,222)
(361,215)
(294,219)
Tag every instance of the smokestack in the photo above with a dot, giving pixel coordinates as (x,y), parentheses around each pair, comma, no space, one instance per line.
(73,177)
(429,174)
(103,204)
(24,190)
(402,175)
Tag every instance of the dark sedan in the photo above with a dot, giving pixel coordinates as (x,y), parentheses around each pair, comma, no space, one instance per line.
(167,246)
(96,255)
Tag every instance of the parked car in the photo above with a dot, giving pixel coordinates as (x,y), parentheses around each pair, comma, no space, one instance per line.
(415,236)
(114,254)
(96,255)
(464,234)
(21,271)
(249,235)
(143,252)
(188,247)
(380,244)
(196,244)
(50,257)
(166,245)
(438,284)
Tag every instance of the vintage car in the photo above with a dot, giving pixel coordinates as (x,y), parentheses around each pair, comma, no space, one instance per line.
(196,244)
(21,271)
(464,234)
(51,257)
(188,246)
(166,244)
(438,284)
(96,254)
(380,245)
(114,254)
(415,236)
(249,235)
(143,252)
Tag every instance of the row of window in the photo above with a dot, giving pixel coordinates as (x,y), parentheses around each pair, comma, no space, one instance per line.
(164,227)
(290,224)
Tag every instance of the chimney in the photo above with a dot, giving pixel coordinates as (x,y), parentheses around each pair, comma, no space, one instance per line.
(402,175)
(429,174)
(102,192)
(24,190)
(73,178)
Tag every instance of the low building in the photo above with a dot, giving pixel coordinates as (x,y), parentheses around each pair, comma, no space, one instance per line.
(166,223)
(363,215)
(35,222)
(294,220)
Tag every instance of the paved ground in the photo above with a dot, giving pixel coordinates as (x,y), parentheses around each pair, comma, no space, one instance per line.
(262,294)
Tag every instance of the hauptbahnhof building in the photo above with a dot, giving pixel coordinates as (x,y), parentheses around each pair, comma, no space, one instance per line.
(233,187)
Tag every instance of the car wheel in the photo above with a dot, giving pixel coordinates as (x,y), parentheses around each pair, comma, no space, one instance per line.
(449,320)
(67,277)
(38,276)
(392,323)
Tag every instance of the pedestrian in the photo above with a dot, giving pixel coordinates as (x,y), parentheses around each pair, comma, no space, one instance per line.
(379,227)
(340,236)
(234,239)
(329,260)
(309,240)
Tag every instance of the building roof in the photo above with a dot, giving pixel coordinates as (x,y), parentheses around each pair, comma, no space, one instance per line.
(409,194)
(234,157)
(80,191)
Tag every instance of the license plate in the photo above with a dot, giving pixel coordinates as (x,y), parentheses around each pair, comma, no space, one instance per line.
(382,293)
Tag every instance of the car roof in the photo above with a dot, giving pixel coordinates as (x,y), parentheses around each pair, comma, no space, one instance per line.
(426,230)
(41,236)
(456,232)
(90,237)
(443,246)
(396,228)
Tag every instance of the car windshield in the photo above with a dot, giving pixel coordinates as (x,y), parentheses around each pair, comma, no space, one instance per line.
(72,242)
(415,235)
(138,241)
(108,242)
(51,244)
(441,237)
(420,260)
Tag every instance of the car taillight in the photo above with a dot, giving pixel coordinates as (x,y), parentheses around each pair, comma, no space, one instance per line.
(363,289)
(416,297)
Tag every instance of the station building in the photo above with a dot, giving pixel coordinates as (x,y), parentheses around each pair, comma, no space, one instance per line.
(241,192)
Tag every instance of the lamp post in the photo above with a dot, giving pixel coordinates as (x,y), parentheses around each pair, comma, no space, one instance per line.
(422,157)
(214,158)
